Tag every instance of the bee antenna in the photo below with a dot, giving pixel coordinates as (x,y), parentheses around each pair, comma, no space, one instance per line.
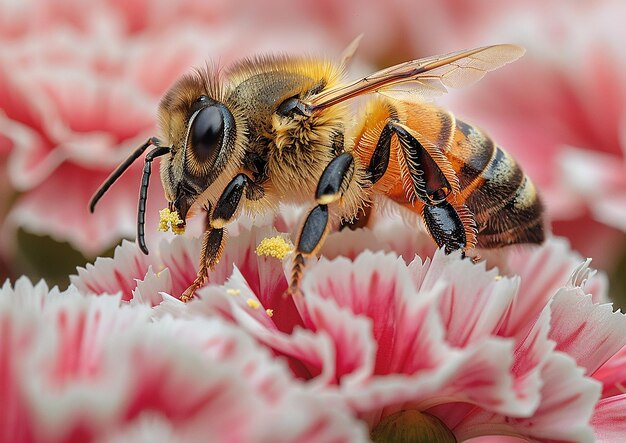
(104,187)
(143,193)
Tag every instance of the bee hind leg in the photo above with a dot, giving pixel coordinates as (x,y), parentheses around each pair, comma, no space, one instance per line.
(452,228)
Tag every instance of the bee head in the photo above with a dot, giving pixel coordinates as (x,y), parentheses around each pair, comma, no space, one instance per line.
(202,133)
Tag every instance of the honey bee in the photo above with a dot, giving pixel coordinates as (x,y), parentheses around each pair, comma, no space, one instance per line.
(280,129)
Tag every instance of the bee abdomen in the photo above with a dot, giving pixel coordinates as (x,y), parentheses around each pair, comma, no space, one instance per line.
(519,220)
(495,186)
(472,152)
(505,204)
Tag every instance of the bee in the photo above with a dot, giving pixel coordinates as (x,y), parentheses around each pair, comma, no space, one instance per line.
(280,129)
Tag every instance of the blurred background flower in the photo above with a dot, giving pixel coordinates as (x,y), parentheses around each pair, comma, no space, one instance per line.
(79,85)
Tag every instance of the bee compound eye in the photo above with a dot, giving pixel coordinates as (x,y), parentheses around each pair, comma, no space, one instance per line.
(207,133)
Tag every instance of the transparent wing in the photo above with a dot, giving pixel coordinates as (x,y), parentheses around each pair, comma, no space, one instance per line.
(428,76)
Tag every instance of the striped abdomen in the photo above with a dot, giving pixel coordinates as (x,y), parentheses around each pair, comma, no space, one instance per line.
(505,204)
(502,199)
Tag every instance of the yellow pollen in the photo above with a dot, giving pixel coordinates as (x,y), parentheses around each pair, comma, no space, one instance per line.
(498,278)
(254,304)
(269,312)
(232,291)
(276,247)
(169,219)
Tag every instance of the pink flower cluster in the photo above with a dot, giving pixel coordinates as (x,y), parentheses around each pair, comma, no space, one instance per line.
(79,87)
(388,328)
(534,352)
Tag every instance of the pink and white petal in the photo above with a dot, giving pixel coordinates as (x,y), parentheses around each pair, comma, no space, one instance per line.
(311,355)
(567,403)
(352,336)
(588,332)
(93,366)
(201,43)
(24,293)
(149,291)
(479,376)
(419,343)
(312,419)
(375,286)
(484,378)
(612,374)
(186,387)
(61,211)
(150,428)
(96,106)
(31,158)
(62,376)
(609,419)
(225,343)
(481,372)
(611,210)
(543,270)
(117,274)
(389,233)
(264,275)
(531,354)
(30,163)
(180,255)
(474,302)
(597,173)
(600,181)
(17,330)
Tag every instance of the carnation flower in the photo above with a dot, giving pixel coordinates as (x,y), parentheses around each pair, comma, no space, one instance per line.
(439,344)
(76,367)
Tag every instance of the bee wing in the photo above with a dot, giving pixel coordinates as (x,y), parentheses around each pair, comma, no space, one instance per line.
(427,76)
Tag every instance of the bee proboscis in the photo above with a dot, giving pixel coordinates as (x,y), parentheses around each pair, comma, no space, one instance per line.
(279,129)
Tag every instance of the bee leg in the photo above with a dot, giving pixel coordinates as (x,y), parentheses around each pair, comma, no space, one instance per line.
(445,226)
(375,170)
(214,237)
(332,184)
(335,179)
(380,157)
(213,241)
(432,180)
(228,203)
(309,242)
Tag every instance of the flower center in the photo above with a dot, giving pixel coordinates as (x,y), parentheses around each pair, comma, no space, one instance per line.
(412,427)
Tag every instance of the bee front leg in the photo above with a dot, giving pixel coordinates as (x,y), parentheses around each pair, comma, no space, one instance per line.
(213,241)
(214,237)
(332,184)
